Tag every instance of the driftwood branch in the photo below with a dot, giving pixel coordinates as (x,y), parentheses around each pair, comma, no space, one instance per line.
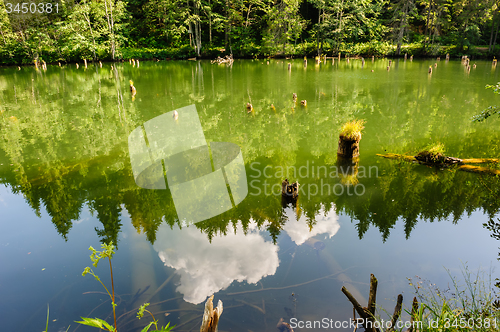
(373,294)
(368,314)
(362,312)
(355,303)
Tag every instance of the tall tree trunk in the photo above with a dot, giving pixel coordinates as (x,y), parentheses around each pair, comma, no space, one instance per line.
(321,36)
(402,26)
(319,31)
(428,17)
(197,28)
(436,26)
(491,34)
(340,21)
(190,28)
(248,15)
(87,18)
(210,24)
(226,26)
(4,41)
(109,17)
(495,40)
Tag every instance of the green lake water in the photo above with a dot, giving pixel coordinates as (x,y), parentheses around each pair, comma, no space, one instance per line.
(67,184)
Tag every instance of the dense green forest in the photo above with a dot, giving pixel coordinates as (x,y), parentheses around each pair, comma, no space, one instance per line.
(146,29)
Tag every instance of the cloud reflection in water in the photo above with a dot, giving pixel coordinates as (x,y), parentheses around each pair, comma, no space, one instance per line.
(298,230)
(205,268)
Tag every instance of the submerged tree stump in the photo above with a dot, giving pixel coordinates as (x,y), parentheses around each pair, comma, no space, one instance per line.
(347,166)
(348,147)
(348,170)
(289,190)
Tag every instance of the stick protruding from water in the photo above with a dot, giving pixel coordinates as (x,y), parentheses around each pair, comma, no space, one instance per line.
(211,316)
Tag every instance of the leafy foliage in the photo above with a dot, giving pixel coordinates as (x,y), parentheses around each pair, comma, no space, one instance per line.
(97,322)
(491,110)
(104,30)
(108,250)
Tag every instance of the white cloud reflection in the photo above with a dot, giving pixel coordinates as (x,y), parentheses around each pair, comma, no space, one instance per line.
(299,232)
(205,268)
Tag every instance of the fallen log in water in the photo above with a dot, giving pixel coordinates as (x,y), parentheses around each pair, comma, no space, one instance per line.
(462,164)
(478,169)
(481,161)
(397,156)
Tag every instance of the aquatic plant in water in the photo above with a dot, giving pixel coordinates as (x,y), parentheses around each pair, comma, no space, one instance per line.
(108,251)
(140,314)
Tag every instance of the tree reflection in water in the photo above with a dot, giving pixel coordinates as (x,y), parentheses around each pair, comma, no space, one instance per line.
(64,145)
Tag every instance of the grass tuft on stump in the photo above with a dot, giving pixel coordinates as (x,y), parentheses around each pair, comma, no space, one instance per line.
(352,130)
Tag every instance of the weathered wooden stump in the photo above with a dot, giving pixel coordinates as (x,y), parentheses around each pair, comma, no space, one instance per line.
(211,316)
(289,190)
(348,147)
(348,169)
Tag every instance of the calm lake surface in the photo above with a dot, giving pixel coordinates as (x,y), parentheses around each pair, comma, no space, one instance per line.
(67,184)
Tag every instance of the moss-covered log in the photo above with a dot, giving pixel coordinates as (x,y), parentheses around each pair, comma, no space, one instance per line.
(463,164)
(479,169)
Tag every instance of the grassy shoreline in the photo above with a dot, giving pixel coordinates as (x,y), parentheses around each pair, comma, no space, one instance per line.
(377,49)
